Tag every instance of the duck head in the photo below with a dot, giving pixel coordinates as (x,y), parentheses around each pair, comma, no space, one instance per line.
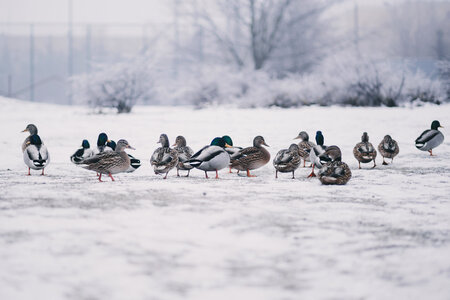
(319,138)
(294,148)
(334,153)
(111,144)
(123,144)
(31,128)
(435,125)
(180,141)
(303,135)
(365,138)
(258,141)
(163,140)
(85,144)
(218,141)
(228,140)
(102,139)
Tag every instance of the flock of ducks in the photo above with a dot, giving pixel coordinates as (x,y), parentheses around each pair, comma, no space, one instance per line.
(111,158)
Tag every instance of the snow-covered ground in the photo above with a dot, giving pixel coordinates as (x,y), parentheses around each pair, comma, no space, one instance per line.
(385,235)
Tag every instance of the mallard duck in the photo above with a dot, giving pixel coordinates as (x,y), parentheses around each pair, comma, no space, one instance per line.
(315,152)
(388,148)
(364,151)
(36,155)
(251,158)
(212,157)
(334,171)
(232,150)
(164,158)
(287,160)
(102,142)
(304,146)
(109,162)
(82,153)
(184,155)
(134,162)
(430,138)
(32,130)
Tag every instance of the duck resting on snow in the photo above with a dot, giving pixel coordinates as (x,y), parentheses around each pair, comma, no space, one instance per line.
(83,152)
(109,162)
(430,138)
(287,160)
(388,148)
(251,158)
(334,171)
(211,158)
(164,158)
(36,155)
(364,151)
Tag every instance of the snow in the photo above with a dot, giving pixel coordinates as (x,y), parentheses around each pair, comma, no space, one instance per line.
(384,235)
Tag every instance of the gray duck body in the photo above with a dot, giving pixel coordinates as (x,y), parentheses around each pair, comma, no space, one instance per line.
(109,162)
(287,160)
(164,158)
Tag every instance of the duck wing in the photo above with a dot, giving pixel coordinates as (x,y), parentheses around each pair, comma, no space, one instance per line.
(426,136)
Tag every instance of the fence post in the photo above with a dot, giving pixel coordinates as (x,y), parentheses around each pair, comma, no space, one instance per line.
(31,62)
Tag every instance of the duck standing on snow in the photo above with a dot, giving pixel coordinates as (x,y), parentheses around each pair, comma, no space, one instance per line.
(32,130)
(388,148)
(164,158)
(232,150)
(287,160)
(304,146)
(82,153)
(184,154)
(109,162)
(430,138)
(315,152)
(211,158)
(364,151)
(251,158)
(134,162)
(36,155)
(334,171)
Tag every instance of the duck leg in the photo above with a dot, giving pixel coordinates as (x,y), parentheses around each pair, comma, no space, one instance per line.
(385,163)
(42,174)
(111,177)
(178,173)
(230,171)
(304,163)
(100,177)
(249,175)
(293,174)
(217,175)
(276,174)
(431,152)
(359,165)
(206,175)
(29,172)
(374,164)
(312,172)
(189,171)
(165,177)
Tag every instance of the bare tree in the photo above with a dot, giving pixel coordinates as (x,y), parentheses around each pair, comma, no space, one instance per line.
(265,31)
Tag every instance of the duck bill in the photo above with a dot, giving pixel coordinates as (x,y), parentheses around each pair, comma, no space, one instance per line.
(441,126)
(173,144)
(129,147)
(228,146)
(25,130)
(264,143)
(297,137)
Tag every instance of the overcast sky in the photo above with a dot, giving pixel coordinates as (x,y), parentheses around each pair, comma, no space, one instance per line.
(100,11)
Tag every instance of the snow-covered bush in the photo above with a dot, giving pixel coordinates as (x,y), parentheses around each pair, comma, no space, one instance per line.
(119,86)
(335,81)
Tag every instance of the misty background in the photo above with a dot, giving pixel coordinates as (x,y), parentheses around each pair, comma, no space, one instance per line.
(249,53)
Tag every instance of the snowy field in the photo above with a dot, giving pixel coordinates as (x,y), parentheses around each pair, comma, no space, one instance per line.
(385,235)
